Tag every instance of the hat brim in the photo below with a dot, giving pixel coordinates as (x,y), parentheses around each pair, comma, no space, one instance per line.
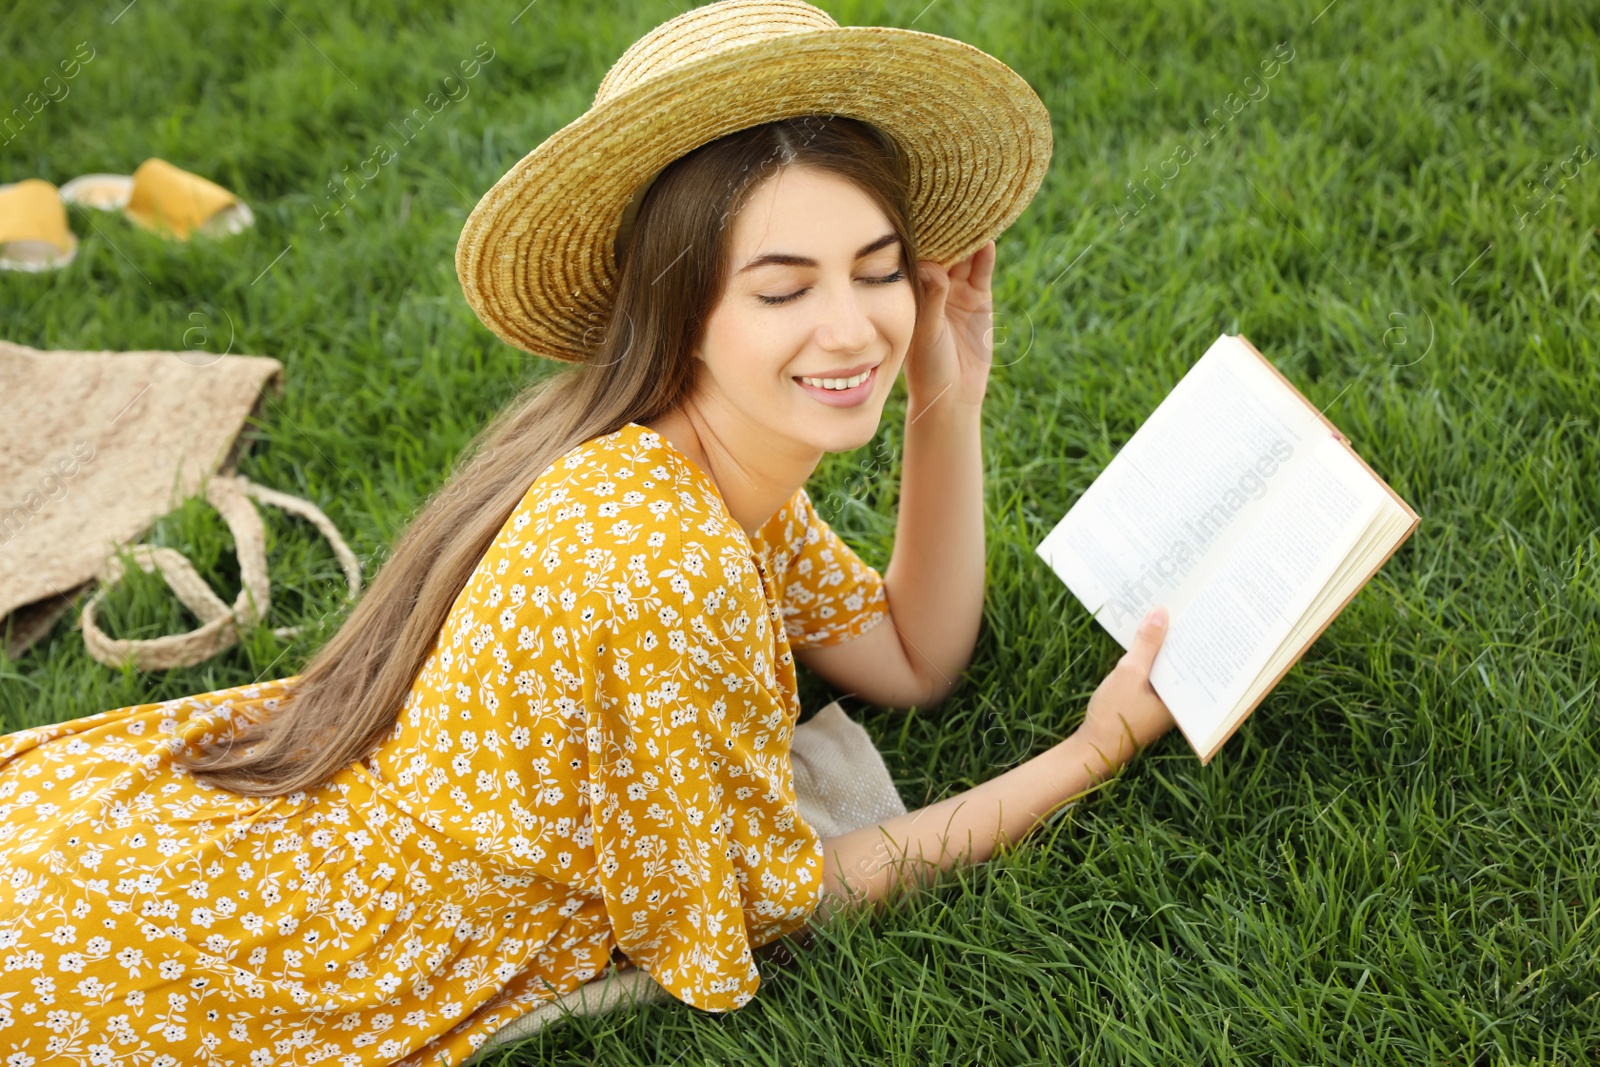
(535,257)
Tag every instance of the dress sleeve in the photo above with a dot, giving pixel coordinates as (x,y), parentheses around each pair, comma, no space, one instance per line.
(829,593)
(700,851)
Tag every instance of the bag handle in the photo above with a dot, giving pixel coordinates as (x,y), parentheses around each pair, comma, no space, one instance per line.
(220,625)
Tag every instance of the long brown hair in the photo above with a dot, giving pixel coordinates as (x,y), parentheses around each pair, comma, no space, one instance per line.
(350,694)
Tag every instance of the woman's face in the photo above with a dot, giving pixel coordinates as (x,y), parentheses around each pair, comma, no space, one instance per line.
(816,297)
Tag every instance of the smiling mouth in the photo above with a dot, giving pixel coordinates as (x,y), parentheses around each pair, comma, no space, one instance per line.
(847,392)
(836,384)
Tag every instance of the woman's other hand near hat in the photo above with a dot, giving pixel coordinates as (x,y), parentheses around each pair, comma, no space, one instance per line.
(953,346)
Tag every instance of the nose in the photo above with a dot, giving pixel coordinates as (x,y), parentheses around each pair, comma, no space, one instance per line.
(845,325)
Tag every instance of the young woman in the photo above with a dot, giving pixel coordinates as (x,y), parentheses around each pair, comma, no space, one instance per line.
(555,732)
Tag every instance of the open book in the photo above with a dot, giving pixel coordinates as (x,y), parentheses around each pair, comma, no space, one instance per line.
(1243,510)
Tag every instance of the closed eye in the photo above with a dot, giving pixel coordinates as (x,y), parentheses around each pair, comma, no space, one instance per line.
(898,275)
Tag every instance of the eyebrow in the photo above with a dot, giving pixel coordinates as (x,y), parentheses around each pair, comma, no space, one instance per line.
(789,260)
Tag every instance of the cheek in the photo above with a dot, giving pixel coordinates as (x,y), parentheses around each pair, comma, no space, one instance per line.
(746,357)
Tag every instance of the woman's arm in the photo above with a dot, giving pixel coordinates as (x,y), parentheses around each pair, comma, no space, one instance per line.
(1125,715)
(934,581)
(935,577)
(862,867)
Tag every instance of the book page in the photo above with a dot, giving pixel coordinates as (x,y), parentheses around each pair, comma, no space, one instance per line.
(1260,593)
(1382,535)
(1172,504)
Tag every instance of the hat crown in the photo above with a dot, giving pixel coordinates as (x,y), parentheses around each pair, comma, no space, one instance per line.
(706,31)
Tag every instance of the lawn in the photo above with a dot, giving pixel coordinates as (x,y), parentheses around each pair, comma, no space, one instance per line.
(1396,859)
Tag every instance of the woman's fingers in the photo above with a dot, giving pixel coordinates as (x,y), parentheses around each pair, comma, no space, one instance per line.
(1147,642)
(983,267)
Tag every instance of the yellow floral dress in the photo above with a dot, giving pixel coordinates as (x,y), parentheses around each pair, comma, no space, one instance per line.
(592,764)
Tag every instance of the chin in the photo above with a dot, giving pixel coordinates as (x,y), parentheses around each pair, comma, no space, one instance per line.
(843,432)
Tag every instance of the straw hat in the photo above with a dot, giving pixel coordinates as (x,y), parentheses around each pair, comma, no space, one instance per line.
(537,255)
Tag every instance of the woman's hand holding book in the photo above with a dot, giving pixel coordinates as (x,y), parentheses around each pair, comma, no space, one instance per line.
(1125,714)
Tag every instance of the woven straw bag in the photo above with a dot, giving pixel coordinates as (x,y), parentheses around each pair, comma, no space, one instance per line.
(220,625)
(98,447)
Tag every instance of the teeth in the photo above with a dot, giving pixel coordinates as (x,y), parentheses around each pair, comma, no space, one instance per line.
(838,383)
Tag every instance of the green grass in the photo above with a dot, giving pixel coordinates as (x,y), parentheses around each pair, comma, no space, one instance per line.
(1397,859)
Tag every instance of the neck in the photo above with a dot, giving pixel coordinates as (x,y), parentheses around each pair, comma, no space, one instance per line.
(754,472)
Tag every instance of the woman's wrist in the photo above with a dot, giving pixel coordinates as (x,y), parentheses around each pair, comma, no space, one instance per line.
(1094,755)
(943,403)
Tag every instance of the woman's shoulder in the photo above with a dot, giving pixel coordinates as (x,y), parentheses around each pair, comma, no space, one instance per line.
(614,498)
(627,468)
